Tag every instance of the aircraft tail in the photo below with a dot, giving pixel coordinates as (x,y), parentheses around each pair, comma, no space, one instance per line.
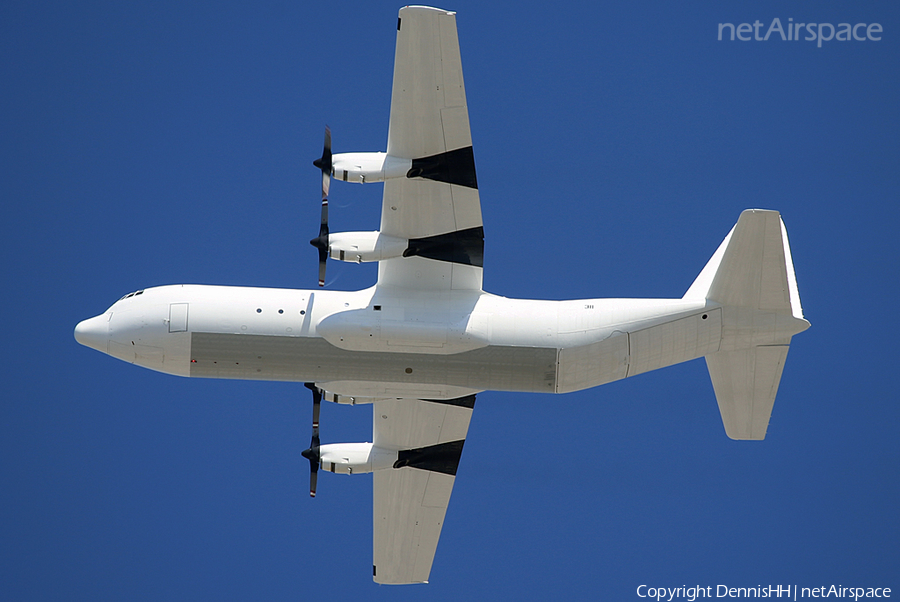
(751,275)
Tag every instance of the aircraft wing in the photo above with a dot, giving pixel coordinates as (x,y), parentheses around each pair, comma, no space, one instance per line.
(410,502)
(436,207)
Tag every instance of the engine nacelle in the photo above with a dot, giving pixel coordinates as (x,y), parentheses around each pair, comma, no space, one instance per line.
(363,168)
(355,458)
(357,247)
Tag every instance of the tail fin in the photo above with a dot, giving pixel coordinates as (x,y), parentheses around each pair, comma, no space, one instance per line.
(751,275)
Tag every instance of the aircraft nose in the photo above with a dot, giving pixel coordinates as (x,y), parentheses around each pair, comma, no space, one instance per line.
(93,332)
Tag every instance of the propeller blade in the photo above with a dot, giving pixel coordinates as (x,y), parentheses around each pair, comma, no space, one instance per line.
(326,183)
(312,454)
(324,163)
(323,258)
(321,241)
(317,406)
(323,223)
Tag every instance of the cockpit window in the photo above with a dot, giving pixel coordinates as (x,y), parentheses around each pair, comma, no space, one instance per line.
(140,292)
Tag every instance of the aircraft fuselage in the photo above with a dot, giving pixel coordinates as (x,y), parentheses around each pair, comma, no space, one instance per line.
(372,343)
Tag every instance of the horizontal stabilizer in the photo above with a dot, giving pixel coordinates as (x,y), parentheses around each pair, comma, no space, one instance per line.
(745,382)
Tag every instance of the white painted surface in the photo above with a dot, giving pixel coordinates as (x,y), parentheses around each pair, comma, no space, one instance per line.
(428,331)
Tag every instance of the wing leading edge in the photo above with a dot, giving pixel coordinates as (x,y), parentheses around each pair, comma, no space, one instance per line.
(410,501)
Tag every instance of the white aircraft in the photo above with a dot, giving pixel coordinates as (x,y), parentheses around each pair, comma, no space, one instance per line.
(420,344)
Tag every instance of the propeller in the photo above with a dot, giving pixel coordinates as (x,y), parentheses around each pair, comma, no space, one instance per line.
(312,454)
(321,241)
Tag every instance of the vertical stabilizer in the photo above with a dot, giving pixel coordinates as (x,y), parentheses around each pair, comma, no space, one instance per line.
(751,275)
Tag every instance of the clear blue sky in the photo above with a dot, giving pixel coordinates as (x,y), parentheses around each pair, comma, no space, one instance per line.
(615,148)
